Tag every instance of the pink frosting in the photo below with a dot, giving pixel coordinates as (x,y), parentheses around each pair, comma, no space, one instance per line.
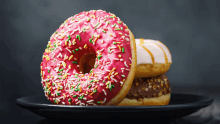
(63,84)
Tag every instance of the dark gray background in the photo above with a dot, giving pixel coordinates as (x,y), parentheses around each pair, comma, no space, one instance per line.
(190,29)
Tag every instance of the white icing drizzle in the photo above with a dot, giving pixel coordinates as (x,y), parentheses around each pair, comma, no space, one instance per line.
(153,47)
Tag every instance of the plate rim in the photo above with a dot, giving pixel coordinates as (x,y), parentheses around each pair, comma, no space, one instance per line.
(204,102)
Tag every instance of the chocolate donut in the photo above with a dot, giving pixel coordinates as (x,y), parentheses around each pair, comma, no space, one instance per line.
(148,91)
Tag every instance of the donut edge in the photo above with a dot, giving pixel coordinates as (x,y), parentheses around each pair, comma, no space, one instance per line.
(162,100)
(128,83)
(152,70)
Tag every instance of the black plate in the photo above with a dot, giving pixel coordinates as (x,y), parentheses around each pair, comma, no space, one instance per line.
(180,105)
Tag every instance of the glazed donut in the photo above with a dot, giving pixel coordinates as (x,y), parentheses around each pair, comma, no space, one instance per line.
(148,92)
(153,58)
(94,38)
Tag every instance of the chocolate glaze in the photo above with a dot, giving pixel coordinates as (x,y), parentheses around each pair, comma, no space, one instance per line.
(149,87)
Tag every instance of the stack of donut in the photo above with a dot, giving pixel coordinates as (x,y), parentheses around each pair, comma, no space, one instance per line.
(150,85)
(92,59)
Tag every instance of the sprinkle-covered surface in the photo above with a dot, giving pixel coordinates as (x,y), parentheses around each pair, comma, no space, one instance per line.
(96,32)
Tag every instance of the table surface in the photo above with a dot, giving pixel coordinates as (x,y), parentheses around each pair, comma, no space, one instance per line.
(207,115)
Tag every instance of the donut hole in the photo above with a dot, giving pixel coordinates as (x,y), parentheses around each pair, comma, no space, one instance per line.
(87,62)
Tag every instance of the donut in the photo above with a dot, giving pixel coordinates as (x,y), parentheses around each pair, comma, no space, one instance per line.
(90,60)
(153,58)
(148,92)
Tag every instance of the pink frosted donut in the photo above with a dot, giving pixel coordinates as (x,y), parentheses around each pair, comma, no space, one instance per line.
(95,38)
